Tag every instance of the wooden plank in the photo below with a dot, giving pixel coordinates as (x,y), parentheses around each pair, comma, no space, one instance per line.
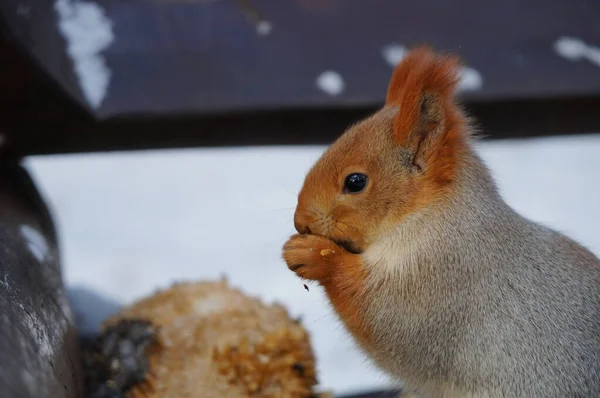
(170,57)
(207,58)
(198,74)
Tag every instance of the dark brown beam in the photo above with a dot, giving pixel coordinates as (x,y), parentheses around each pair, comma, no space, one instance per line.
(38,117)
(76,133)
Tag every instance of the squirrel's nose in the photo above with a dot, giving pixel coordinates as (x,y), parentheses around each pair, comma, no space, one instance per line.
(301,223)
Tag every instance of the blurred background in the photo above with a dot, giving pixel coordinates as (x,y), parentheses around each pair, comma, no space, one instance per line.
(169,138)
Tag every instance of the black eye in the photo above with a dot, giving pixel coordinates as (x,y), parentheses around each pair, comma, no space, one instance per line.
(355,182)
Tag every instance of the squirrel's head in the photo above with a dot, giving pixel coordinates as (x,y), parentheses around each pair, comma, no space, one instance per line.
(393,163)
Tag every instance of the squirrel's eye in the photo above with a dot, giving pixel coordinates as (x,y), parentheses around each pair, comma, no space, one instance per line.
(355,182)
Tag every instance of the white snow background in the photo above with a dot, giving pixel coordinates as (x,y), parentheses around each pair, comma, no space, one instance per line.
(133,222)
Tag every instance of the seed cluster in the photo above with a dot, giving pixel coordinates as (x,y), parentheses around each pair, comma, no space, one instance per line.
(214,341)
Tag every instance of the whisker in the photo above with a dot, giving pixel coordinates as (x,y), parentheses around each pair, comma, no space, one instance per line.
(291,192)
(284,224)
(277,210)
(319,222)
(309,211)
(341,231)
(347,225)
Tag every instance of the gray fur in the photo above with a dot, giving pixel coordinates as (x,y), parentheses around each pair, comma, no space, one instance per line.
(487,301)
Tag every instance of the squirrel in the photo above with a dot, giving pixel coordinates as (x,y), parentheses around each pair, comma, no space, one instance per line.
(440,282)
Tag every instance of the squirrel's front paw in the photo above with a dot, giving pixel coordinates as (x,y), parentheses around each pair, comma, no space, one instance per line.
(311,256)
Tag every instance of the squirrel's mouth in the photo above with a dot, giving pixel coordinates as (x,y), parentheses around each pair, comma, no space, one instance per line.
(349,246)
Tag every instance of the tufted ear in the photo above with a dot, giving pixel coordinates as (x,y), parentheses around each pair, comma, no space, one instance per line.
(422,88)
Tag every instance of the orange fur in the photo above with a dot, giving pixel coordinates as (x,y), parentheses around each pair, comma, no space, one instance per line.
(410,151)
(425,73)
(342,274)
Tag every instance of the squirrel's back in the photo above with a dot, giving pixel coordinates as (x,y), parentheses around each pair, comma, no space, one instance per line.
(496,303)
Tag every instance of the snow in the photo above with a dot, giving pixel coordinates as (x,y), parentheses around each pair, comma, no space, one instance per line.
(133,222)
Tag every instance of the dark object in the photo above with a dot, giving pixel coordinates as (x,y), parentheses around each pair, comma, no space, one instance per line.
(116,360)
(306,287)
(188,73)
(90,309)
(38,342)
(355,183)
(172,58)
(375,394)
(298,368)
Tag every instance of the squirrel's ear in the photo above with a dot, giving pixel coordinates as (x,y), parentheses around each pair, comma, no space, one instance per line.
(422,88)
